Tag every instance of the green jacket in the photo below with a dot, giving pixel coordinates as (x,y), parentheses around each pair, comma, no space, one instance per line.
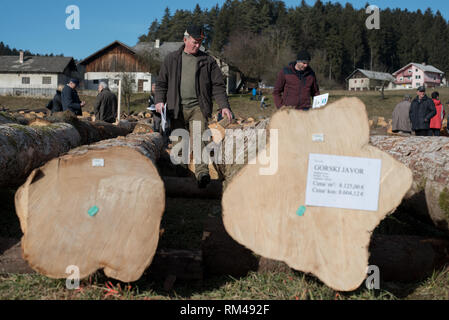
(209,83)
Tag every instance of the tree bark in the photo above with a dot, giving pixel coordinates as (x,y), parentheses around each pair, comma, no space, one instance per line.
(99,206)
(428,158)
(89,131)
(23,148)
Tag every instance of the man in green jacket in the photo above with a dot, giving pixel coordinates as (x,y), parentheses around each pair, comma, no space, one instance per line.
(188,81)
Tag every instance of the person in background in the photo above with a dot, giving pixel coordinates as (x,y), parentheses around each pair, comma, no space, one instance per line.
(437,121)
(422,110)
(55,105)
(296,84)
(401,119)
(105,107)
(70,99)
(254,94)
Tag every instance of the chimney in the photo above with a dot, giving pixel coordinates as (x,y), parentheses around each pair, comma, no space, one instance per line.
(157,44)
(21,56)
(423,63)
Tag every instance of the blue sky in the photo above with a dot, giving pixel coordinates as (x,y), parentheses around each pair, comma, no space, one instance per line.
(39,26)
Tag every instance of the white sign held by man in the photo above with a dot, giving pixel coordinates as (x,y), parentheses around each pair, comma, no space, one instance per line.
(320,101)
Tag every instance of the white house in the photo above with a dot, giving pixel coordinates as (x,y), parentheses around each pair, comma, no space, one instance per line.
(35,75)
(414,75)
(361,79)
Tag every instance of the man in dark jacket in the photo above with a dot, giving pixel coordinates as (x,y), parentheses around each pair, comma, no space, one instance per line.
(187,82)
(296,84)
(55,105)
(70,98)
(105,107)
(422,110)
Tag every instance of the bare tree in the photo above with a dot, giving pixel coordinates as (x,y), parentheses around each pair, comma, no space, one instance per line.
(257,56)
(150,60)
(128,84)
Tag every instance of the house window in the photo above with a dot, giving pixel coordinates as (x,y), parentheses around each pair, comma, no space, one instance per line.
(46,80)
(409,70)
(401,79)
(355,81)
(416,70)
(95,81)
(418,84)
(362,81)
(417,77)
(25,80)
(116,82)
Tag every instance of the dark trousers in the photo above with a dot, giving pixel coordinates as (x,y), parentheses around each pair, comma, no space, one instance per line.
(422,132)
(435,132)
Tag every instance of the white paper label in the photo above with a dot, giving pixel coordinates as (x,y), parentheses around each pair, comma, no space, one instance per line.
(320,101)
(97,162)
(343,182)
(318,137)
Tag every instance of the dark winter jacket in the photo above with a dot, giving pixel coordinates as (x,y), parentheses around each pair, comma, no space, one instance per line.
(209,83)
(421,111)
(71,100)
(55,105)
(105,107)
(295,88)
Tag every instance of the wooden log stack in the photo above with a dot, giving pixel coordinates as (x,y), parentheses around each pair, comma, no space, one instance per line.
(261,211)
(99,206)
(24,148)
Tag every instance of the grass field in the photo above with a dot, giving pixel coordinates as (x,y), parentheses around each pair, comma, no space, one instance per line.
(244,107)
(183,224)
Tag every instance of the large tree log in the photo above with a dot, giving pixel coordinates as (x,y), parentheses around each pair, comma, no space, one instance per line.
(428,158)
(89,131)
(261,211)
(6,118)
(99,206)
(24,148)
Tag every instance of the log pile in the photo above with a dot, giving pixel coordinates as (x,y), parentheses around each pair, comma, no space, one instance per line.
(23,148)
(99,206)
(428,158)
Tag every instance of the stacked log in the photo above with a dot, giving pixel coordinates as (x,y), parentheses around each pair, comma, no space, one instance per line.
(24,148)
(428,158)
(261,211)
(99,206)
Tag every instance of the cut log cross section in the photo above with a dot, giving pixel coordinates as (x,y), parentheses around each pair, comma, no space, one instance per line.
(99,206)
(261,211)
